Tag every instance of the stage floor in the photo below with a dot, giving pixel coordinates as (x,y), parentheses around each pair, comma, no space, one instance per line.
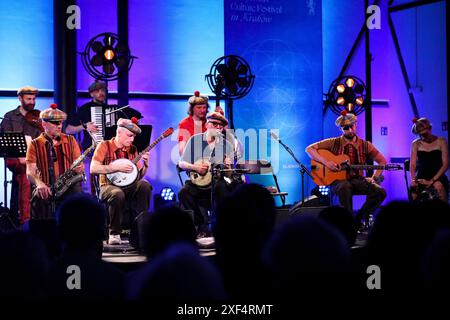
(126,254)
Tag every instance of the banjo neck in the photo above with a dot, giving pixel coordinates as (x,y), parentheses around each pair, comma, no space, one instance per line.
(151,146)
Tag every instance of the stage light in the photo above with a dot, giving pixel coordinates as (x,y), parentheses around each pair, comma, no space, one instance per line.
(167,194)
(324,190)
(350,82)
(105,57)
(346,93)
(109,54)
(340,101)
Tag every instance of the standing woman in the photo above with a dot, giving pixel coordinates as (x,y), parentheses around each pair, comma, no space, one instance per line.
(429,161)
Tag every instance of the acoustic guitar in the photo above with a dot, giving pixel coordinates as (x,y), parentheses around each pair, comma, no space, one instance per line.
(323,176)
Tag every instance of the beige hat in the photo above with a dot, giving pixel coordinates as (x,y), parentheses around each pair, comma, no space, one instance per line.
(420,125)
(345,119)
(53,114)
(27,90)
(130,124)
(198,99)
(216,116)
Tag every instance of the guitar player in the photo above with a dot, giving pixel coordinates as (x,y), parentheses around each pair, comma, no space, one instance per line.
(202,150)
(357,150)
(138,194)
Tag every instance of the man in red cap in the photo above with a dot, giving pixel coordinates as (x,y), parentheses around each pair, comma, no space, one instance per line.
(195,122)
(358,150)
(139,193)
(202,151)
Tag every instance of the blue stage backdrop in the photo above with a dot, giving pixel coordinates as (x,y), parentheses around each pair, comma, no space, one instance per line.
(282,42)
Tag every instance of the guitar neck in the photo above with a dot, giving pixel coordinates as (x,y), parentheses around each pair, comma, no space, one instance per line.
(367,167)
(151,146)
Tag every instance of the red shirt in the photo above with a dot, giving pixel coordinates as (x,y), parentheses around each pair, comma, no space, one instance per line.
(187,128)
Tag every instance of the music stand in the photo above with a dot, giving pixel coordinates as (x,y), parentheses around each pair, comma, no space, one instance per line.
(12,145)
(141,141)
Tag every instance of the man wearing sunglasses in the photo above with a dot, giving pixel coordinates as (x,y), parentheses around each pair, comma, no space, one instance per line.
(358,151)
(48,157)
(201,152)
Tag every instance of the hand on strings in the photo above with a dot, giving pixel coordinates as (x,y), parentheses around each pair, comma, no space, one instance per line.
(332,166)
(202,168)
(145,157)
(121,167)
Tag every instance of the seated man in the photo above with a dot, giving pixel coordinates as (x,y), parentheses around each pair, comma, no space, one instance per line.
(358,151)
(49,156)
(202,151)
(137,194)
(49,159)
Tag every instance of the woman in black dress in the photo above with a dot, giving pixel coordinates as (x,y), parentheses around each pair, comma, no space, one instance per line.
(429,162)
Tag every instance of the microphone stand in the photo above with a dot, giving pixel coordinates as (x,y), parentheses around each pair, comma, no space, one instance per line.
(303,169)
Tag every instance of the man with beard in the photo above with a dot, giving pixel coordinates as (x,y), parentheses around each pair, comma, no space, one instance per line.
(81,120)
(48,157)
(195,122)
(202,151)
(24,119)
(358,150)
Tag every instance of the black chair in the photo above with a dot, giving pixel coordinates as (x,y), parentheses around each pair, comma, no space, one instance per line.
(262,167)
(179,171)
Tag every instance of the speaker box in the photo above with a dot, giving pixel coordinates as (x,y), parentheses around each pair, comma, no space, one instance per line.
(284,214)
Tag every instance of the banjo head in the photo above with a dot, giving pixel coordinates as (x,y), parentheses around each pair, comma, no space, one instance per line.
(122,179)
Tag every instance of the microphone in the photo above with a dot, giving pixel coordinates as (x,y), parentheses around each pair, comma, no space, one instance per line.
(114,111)
(274,136)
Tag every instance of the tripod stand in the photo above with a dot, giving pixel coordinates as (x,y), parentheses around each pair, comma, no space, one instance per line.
(303,169)
(12,145)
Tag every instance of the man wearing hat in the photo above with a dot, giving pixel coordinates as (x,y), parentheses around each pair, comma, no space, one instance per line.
(138,194)
(81,119)
(24,119)
(195,122)
(48,157)
(358,151)
(201,151)
(429,161)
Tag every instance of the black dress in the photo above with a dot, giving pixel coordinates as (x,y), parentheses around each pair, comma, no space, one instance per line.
(428,164)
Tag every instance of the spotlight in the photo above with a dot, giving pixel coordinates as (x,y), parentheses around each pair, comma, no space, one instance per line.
(346,92)
(324,190)
(167,194)
(105,57)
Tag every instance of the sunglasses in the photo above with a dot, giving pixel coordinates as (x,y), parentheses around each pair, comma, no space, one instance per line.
(54,122)
(345,128)
(217,125)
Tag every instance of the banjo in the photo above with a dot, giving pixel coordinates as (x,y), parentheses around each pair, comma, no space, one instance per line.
(123,179)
